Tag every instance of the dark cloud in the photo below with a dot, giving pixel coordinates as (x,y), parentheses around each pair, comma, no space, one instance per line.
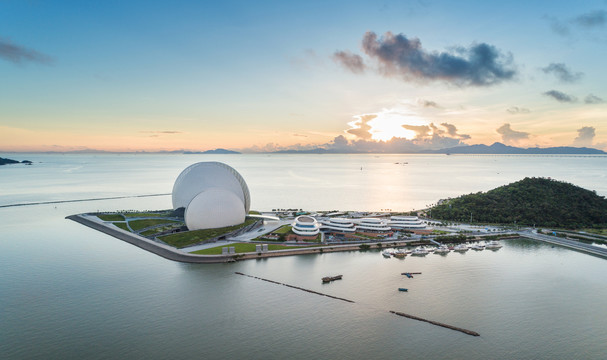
(452,131)
(352,62)
(19,55)
(561,96)
(363,129)
(428,103)
(509,135)
(585,136)
(593,99)
(558,26)
(562,73)
(592,19)
(517,110)
(398,56)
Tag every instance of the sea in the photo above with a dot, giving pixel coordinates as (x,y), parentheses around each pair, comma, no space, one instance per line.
(67,291)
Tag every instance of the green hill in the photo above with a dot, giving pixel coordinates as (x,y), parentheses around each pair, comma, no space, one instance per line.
(539,201)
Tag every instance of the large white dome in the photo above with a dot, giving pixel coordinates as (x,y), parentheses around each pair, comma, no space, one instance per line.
(201,176)
(214,208)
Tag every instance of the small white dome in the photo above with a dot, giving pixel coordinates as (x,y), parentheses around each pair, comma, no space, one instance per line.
(214,208)
(201,176)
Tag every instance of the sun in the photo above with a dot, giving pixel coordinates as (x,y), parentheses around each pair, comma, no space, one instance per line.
(388,125)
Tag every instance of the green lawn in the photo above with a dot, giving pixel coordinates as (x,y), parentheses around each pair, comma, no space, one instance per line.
(186,238)
(141,224)
(147,214)
(111,217)
(254,212)
(241,248)
(282,230)
(121,225)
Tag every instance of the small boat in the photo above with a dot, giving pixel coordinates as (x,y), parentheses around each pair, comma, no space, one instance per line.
(327,279)
(493,245)
(408,275)
(386,253)
(477,247)
(420,251)
(403,289)
(400,254)
(443,249)
(460,248)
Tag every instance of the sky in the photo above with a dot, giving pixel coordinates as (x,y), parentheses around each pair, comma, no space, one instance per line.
(372,76)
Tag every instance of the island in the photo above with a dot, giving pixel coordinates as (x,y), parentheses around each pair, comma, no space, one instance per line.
(4,161)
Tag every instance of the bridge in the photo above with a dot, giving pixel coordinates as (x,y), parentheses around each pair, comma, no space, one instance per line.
(571,244)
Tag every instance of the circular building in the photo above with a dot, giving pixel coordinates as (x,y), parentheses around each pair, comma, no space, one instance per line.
(213,194)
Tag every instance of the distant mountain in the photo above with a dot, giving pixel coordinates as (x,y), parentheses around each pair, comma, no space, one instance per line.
(216,151)
(499,148)
(531,201)
(4,161)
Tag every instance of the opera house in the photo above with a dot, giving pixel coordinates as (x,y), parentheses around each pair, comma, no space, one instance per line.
(213,194)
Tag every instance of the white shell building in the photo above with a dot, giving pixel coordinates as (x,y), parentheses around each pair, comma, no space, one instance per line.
(213,194)
(305,226)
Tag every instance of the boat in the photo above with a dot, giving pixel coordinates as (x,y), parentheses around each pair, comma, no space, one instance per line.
(460,248)
(493,245)
(403,289)
(327,279)
(400,254)
(477,247)
(386,253)
(443,249)
(420,251)
(408,275)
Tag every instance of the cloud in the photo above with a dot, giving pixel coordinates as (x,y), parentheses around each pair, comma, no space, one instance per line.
(428,103)
(593,99)
(162,132)
(592,19)
(517,110)
(352,62)
(363,130)
(511,136)
(398,56)
(560,96)
(452,131)
(300,135)
(19,55)
(562,73)
(421,131)
(585,136)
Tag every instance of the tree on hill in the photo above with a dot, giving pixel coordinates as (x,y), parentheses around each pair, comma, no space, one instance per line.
(531,201)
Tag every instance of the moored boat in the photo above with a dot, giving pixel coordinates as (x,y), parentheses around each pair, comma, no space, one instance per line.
(400,254)
(327,279)
(420,251)
(443,249)
(403,289)
(460,248)
(477,246)
(386,253)
(493,245)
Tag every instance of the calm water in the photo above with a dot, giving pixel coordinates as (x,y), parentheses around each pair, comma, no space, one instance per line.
(68,291)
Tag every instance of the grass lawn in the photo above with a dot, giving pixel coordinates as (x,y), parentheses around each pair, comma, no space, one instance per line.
(140,224)
(186,238)
(241,248)
(254,212)
(121,225)
(111,217)
(283,229)
(147,214)
(596,231)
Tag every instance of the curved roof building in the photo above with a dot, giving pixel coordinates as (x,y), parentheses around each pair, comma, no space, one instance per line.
(338,225)
(203,175)
(406,222)
(305,226)
(213,194)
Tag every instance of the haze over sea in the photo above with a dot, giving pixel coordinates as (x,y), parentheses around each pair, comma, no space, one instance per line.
(67,291)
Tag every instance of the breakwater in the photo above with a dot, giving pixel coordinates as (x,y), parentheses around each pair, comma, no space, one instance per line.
(447,326)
